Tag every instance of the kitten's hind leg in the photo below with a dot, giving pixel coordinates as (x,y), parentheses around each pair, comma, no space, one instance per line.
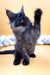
(32,55)
(18,58)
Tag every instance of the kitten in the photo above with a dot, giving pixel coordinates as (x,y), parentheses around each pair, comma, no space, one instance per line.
(26,35)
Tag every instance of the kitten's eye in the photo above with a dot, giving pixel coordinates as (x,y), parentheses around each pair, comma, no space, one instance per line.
(20,15)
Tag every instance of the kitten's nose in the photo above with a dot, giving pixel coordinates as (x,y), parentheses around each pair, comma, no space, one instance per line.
(21,21)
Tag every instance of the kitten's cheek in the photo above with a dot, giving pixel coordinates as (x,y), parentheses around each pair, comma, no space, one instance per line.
(9,22)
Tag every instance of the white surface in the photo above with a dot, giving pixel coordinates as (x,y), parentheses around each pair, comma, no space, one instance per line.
(44,39)
(7,40)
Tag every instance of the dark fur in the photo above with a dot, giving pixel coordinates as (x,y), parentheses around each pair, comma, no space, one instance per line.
(26,35)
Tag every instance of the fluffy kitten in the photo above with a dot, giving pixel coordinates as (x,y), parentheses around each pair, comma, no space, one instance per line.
(26,35)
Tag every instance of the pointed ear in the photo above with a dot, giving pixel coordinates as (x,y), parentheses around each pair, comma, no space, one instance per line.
(22,10)
(10,15)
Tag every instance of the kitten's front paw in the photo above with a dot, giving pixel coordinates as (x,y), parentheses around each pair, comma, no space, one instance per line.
(17,62)
(25,62)
(33,55)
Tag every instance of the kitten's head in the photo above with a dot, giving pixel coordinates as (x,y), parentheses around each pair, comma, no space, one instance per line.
(18,21)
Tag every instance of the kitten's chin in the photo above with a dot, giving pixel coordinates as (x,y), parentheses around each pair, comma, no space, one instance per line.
(19,29)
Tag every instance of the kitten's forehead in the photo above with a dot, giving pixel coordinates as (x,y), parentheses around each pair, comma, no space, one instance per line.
(18,14)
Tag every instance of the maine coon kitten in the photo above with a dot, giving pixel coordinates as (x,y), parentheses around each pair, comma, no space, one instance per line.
(26,35)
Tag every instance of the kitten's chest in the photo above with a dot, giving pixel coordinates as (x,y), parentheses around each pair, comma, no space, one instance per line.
(25,40)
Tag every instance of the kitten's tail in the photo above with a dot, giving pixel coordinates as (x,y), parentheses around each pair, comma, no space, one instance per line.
(7,52)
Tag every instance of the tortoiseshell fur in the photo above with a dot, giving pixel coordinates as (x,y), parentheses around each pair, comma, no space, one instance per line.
(26,35)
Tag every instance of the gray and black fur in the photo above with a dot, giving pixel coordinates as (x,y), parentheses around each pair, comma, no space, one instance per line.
(26,35)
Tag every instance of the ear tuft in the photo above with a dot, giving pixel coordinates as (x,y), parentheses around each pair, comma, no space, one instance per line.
(22,10)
